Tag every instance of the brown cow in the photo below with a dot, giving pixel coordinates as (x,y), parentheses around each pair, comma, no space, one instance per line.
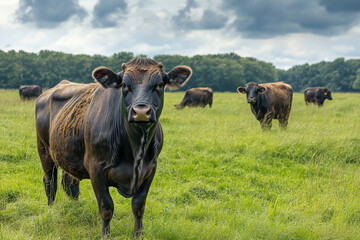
(108,132)
(196,97)
(28,92)
(317,95)
(269,101)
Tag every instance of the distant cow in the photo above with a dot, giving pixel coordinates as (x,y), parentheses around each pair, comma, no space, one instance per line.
(269,101)
(317,95)
(196,97)
(28,92)
(108,132)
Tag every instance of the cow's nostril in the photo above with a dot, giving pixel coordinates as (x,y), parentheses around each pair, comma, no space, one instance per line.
(133,113)
(148,113)
(251,100)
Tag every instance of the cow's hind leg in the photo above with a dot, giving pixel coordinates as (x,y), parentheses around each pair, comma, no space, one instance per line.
(70,185)
(283,122)
(50,172)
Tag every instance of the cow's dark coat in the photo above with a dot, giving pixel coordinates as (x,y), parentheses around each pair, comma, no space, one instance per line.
(196,97)
(108,131)
(269,101)
(317,95)
(28,92)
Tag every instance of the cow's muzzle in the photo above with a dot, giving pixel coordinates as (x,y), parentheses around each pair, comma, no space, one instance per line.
(141,113)
(251,100)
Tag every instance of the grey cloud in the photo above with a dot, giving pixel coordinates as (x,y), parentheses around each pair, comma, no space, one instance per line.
(48,13)
(209,20)
(107,13)
(182,19)
(266,19)
(341,6)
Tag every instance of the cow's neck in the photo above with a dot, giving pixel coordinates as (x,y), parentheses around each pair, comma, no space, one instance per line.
(258,108)
(140,137)
(257,105)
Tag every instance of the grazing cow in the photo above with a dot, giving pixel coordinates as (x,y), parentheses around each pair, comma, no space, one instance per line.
(269,101)
(108,132)
(196,97)
(317,95)
(28,92)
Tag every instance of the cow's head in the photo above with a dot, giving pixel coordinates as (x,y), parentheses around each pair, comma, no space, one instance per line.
(327,94)
(252,91)
(142,82)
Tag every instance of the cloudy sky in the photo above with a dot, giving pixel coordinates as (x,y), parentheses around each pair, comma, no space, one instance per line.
(283,32)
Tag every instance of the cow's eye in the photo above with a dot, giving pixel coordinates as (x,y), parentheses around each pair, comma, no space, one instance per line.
(126,88)
(159,87)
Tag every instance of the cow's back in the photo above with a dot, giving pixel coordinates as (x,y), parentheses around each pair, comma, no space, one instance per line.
(202,89)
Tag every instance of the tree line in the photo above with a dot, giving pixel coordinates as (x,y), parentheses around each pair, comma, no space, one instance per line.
(339,75)
(222,72)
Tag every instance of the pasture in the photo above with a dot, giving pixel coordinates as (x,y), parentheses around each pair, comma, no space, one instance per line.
(219,176)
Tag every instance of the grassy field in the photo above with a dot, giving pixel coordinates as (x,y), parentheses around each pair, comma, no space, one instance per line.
(219,176)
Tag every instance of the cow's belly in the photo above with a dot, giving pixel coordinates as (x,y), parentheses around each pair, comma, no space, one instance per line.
(312,100)
(68,154)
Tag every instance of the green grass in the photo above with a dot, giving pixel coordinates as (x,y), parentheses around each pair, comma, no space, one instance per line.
(219,176)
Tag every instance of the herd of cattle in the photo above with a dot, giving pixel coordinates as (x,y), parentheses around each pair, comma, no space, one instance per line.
(109,131)
(267,101)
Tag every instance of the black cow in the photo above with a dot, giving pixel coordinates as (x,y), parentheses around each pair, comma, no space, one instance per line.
(317,95)
(108,132)
(28,92)
(269,101)
(196,97)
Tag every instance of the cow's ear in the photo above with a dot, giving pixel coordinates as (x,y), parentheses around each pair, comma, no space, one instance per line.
(262,89)
(106,77)
(177,77)
(241,90)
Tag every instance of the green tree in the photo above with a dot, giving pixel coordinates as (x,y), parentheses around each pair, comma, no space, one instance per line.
(356,84)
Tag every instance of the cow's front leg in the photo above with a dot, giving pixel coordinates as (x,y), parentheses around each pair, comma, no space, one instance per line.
(266,122)
(138,204)
(104,200)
